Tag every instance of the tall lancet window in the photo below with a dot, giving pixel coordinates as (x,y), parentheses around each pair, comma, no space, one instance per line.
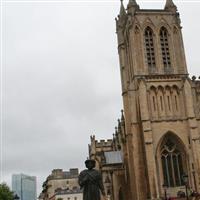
(165,50)
(172,163)
(150,53)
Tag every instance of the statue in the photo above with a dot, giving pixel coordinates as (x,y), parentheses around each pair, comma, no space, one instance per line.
(91,181)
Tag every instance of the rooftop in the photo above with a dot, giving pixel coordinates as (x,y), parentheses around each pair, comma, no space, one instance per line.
(113,157)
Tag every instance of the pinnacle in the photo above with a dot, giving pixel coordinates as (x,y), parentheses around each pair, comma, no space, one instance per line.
(122,115)
(122,9)
(132,3)
(170,5)
(132,6)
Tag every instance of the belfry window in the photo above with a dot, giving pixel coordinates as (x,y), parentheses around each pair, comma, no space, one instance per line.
(150,53)
(172,164)
(165,49)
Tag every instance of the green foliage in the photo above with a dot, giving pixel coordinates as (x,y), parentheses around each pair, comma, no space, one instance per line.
(5,192)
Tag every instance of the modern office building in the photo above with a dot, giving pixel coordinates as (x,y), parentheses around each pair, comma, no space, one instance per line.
(24,186)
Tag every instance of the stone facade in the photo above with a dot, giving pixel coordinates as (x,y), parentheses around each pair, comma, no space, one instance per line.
(61,183)
(159,134)
(74,194)
(109,160)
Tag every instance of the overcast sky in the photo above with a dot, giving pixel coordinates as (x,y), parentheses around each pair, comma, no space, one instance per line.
(61,82)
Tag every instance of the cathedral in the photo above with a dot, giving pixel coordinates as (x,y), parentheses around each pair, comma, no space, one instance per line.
(157,141)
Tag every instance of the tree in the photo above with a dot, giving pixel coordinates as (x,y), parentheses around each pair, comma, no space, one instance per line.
(5,192)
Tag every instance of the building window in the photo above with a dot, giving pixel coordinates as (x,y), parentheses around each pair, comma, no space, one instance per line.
(176,104)
(154,103)
(172,163)
(75,198)
(150,53)
(168,101)
(161,103)
(165,49)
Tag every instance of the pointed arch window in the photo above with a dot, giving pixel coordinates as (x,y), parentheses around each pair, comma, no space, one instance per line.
(150,52)
(164,42)
(172,163)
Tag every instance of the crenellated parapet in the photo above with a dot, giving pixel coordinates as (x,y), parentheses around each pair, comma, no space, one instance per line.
(104,143)
(98,147)
(110,158)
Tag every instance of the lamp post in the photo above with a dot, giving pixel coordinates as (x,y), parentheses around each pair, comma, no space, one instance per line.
(16,197)
(165,190)
(185,181)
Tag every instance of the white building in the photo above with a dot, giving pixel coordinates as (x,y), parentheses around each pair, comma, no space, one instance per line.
(61,185)
(75,194)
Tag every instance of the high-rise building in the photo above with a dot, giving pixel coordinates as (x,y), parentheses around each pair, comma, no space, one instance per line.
(159,132)
(24,186)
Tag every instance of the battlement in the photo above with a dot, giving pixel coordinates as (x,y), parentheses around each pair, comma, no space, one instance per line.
(104,143)
(60,174)
(101,143)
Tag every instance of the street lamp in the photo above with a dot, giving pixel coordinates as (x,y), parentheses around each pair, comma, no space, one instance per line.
(185,181)
(16,197)
(165,189)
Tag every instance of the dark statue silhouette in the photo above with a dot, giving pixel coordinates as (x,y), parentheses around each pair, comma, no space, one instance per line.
(90,180)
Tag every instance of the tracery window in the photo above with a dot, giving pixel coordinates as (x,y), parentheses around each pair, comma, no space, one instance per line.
(150,52)
(172,163)
(165,49)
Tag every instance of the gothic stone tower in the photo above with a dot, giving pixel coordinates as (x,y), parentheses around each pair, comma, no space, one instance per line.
(160,103)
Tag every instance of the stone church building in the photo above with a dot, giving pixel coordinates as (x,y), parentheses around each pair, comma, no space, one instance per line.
(157,140)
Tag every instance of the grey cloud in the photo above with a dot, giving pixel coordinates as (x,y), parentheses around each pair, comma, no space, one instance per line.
(62,81)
